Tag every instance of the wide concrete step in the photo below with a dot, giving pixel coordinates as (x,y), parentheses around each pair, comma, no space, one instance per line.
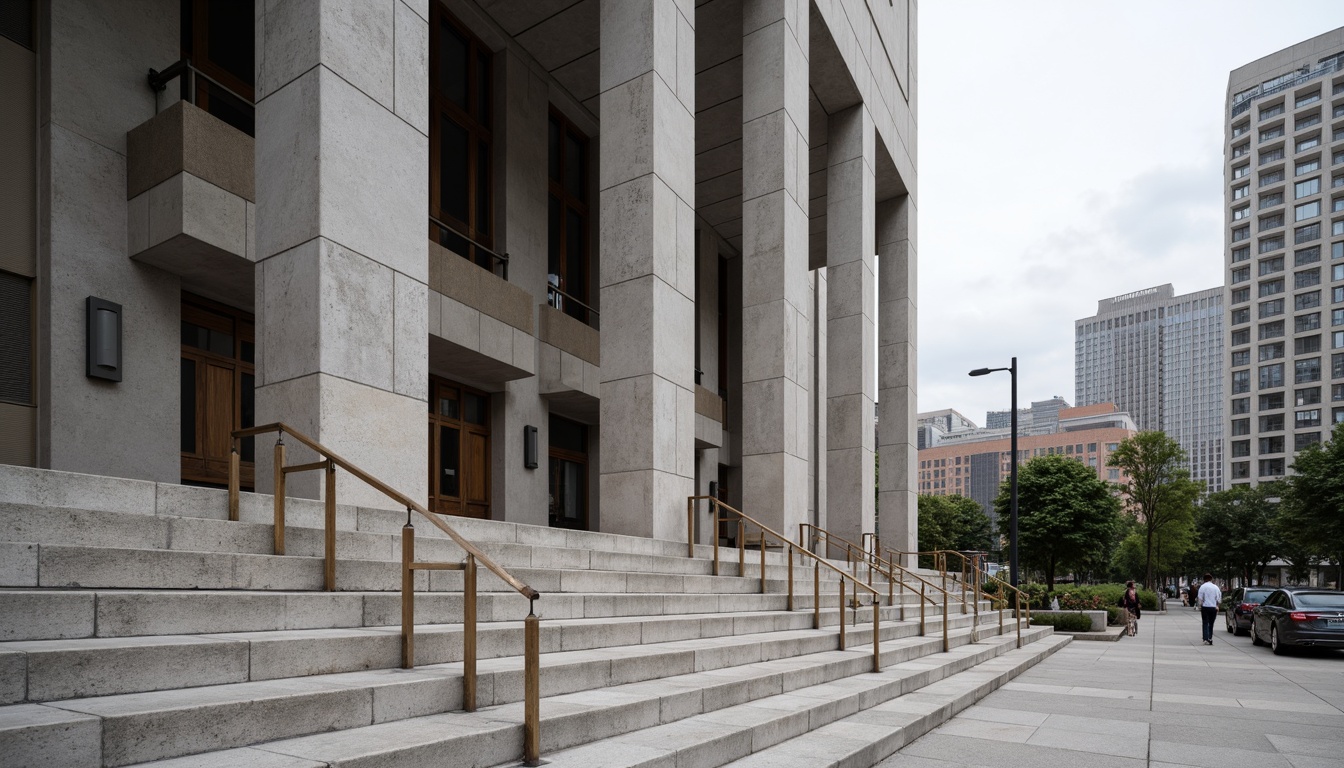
(715,713)
(54,614)
(142,726)
(32,524)
(871,735)
(67,614)
(52,670)
(123,568)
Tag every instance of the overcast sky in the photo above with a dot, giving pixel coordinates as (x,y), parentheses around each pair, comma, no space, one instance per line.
(1069,152)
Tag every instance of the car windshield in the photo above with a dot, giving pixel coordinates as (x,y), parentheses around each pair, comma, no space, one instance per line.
(1319,599)
(1256,595)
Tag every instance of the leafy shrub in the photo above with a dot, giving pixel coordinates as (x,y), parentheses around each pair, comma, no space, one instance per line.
(1064,622)
(1115,615)
(1087,597)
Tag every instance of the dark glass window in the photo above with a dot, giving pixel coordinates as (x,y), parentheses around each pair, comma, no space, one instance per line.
(218,38)
(568,236)
(461,176)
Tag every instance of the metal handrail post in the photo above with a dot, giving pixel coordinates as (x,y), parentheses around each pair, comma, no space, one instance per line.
(531,688)
(790,577)
(279,498)
(741,546)
(717,521)
(762,542)
(877,636)
(947,619)
(816,597)
(690,527)
(329,548)
(921,609)
(842,614)
(407,594)
(234,480)
(469,635)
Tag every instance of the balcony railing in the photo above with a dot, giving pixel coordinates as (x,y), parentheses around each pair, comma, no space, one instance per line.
(498,263)
(240,115)
(568,303)
(1243,104)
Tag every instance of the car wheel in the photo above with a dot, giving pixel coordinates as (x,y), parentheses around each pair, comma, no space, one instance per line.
(1255,636)
(1275,644)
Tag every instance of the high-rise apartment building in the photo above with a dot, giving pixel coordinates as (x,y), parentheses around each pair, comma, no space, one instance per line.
(1159,356)
(1284,256)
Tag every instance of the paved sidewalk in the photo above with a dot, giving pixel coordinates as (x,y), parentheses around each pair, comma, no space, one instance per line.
(1160,699)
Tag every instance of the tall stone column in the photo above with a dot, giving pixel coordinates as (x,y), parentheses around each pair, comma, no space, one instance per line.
(898,449)
(342,164)
(647,277)
(776,329)
(851,331)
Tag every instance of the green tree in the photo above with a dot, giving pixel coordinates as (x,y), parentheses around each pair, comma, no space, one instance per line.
(1238,530)
(1067,517)
(1158,492)
(952,522)
(1312,517)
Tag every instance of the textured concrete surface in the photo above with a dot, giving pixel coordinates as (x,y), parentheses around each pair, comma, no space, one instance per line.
(1159,699)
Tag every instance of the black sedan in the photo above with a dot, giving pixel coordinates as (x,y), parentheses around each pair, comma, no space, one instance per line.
(1237,607)
(1299,617)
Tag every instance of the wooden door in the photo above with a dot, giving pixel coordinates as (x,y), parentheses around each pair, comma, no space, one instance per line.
(459,450)
(217,381)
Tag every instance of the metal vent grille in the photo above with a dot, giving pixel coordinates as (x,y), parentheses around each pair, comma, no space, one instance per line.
(16,339)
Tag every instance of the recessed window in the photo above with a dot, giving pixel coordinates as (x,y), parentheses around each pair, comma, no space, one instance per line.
(1273,177)
(1271,330)
(1240,192)
(1271,155)
(1241,213)
(1241,171)
(1269,352)
(1307,166)
(1310,142)
(1241,275)
(1309,98)
(1307,345)
(1271,133)
(1241,357)
(1271,308)
(1241,233)
(1305,371)
(1271,111)
(461,167)
(1241,254)
(1273,221)
(1268,244)
(1271,376)
(1309,322)
(1271,287)
(1241,295)
(1306,233)
(1307,255)
(1307,211)
(1271,402)
(1307,396)
(1241,149)
(1270,200)
(1241,382)
(1307,121)
(1306,278)
(1241,405)
(1307,188)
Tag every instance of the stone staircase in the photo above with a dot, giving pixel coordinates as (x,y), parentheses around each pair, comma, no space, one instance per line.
(139,626)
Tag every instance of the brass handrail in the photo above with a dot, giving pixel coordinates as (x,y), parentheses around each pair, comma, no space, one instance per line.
(1019,597)
(330,461)
(874,561)
(742,520)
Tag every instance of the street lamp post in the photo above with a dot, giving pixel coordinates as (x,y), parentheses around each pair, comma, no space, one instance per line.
(1012,471)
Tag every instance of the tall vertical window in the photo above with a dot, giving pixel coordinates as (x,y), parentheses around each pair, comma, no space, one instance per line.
(218,39)
(567,257)
(460,156)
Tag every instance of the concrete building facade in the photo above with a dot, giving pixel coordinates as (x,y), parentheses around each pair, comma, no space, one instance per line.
(975,462)
(1284,258)
(563,262)
(1159,357)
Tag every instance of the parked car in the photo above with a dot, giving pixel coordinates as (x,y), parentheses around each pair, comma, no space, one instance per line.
(1299,617)
(1238,604)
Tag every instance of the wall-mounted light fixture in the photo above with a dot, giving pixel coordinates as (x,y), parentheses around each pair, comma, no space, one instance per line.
(529,447)
(103,339)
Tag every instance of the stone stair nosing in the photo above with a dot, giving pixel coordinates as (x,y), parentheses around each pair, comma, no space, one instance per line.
(133,723)
(716,716)
(53,670)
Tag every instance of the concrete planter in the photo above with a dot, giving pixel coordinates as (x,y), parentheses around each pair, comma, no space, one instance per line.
(1098,617)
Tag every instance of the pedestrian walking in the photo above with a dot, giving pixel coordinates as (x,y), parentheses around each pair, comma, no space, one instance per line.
(1130,602)
(1192,599)
(1209,597)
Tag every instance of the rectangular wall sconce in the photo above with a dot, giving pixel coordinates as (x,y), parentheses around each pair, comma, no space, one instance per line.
(529,447)
(103,339)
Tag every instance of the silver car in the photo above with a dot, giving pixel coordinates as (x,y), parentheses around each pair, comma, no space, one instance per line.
(1308,618)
